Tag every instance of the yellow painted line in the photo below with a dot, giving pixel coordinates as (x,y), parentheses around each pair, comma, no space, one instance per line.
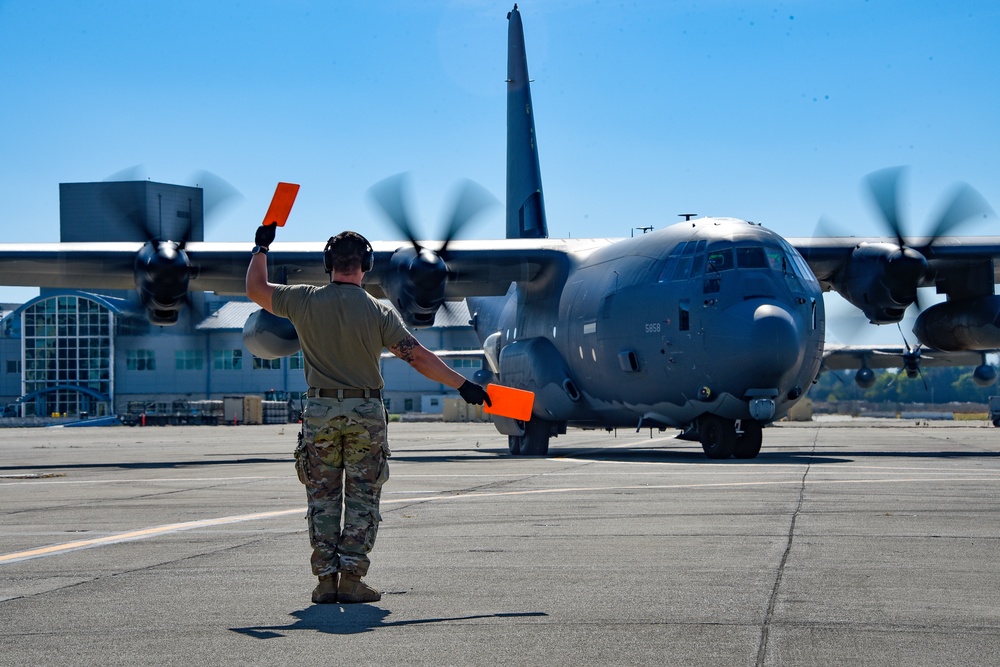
(138,535)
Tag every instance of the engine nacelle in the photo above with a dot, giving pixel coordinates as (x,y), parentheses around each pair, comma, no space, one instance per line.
(270,337)
(954,326)
(984,375)
(162,274)
(881,279)
(865,378)
(415,285)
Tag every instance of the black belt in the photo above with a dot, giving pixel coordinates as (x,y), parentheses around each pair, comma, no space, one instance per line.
(321,392)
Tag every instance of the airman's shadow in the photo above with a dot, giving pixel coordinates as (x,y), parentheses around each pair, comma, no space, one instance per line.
(352,619)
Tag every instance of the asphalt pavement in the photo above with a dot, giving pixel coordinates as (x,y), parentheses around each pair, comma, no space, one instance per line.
(847,543)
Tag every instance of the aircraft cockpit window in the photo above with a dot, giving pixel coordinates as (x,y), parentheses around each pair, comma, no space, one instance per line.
(751,257)
(797,264)
(685,261)
(720,260)
(683,271)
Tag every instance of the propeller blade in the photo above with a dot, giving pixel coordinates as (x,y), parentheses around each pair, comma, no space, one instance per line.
(388,195)
(964,205)
(471,200)
(129,209)
(219,193)
(883,188)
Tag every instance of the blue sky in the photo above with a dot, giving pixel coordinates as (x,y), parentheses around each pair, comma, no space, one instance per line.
(769,111)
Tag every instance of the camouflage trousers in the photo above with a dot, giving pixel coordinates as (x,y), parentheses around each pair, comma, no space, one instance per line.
(342,460)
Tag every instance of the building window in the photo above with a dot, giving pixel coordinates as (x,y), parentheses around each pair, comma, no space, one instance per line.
(267,364)
(466,363)
(407,404)
(227,360)
(140,360)
(189,360)
(67,356)
(13,365)
(295,361)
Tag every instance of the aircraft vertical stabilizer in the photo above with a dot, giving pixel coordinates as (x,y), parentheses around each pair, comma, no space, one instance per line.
(525,203)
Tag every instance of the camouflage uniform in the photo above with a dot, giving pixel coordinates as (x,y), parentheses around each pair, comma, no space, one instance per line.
(342,456)
(342,461)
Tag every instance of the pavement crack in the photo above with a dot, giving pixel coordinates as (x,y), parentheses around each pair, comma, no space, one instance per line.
(773,601)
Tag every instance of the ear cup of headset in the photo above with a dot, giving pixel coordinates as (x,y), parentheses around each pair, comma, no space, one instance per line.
(368,259)
(328,256)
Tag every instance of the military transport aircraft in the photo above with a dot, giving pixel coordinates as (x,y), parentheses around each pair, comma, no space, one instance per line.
(714,326)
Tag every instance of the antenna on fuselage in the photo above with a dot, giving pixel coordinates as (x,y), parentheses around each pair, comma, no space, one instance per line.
(687,216)
(644,230)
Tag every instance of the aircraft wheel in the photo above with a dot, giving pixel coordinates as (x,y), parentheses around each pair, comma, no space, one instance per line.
(996,422)
(514,444)
(748,444)
(718,437)
(535,441)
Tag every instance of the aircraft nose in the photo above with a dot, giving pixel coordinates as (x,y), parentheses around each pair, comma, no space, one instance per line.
(775,343)
(761,346)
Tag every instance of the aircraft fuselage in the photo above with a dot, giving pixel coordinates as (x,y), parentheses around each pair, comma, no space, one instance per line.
(708,317)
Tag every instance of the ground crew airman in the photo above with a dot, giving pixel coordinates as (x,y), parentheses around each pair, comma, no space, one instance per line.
(341,457)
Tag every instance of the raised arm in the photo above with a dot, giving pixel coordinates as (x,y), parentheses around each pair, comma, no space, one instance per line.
(258,288)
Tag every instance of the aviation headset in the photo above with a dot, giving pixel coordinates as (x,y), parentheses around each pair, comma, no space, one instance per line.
(367,259)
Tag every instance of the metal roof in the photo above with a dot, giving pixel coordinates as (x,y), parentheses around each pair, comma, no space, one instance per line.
(232,315)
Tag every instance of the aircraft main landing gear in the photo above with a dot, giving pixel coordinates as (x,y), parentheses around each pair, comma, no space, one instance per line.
(534,442)
(748,443)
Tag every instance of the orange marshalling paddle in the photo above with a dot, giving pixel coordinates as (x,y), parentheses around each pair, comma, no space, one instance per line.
(281,204)
(509,402)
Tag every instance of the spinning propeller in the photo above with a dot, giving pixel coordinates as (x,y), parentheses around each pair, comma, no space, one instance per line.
(911,359)
(418,275)
(881,278)
(906,270)
(162,268)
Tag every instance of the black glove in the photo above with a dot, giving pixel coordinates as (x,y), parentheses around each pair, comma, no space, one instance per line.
(265,235)
(473,393)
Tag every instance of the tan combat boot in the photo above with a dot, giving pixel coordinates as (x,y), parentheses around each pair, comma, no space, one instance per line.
(326,591)
(352,589)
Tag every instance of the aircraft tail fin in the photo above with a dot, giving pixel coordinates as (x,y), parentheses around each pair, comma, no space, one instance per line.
(525,203)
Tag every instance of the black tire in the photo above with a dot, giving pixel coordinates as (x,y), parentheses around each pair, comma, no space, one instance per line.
(996,422)
(514,445)
(718,437)
(535,441)
(748,444)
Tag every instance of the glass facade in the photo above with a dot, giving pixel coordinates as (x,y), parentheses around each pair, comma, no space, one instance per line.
(68,352)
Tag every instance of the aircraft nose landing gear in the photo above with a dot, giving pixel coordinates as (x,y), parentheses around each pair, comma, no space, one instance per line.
(720,438)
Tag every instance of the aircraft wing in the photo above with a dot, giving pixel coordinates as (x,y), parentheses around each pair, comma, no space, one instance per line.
(830,257)
(69,265)
(843,357)
(475,268)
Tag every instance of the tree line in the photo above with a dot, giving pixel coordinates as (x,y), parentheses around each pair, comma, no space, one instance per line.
(946,384)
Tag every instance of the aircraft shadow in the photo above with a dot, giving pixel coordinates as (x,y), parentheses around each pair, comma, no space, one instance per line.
(638,455)
(354,619)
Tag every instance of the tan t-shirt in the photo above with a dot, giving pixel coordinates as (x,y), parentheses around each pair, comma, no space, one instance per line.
(343,331)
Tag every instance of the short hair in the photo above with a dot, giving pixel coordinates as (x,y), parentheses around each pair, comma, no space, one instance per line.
(347,252)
